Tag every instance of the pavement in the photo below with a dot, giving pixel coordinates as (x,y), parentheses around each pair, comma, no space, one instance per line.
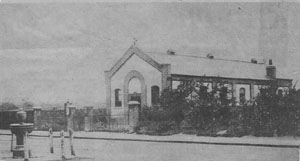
(288,141)
(136,147)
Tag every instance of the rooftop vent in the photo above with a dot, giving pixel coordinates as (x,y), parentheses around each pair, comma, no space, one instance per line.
(171,52)
(210,56)
(254,61)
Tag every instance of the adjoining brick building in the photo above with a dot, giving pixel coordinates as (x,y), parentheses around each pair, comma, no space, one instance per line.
(141,76)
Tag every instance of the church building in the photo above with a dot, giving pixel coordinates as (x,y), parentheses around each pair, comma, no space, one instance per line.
(141,76)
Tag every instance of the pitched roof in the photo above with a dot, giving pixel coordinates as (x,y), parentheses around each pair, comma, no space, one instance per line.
(203,66)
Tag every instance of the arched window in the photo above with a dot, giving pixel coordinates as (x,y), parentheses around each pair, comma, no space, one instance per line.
(154,95)
(118,102)
(242,94)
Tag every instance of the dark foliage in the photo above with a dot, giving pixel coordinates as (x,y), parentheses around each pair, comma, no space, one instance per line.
(6,106)
(274,114)
(191,108)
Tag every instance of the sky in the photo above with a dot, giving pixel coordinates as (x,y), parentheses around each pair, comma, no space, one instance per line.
(54,52)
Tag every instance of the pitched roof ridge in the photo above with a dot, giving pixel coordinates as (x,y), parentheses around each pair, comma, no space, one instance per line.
(203,57)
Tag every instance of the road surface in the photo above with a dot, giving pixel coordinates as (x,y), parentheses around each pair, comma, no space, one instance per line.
(108,150)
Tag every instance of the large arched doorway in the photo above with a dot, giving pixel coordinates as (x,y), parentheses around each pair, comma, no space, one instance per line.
(134,88)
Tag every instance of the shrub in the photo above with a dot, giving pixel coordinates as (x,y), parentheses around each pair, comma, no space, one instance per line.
(190,103)
(191,108)
(270,114)
(157,121)
(157,128)
(209,112)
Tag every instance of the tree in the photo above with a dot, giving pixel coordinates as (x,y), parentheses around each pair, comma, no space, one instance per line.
(6,106)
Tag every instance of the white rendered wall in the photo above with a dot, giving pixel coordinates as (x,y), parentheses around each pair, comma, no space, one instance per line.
(151,75)
(256,90)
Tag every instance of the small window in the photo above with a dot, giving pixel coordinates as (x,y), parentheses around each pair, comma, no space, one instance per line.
(242,94)
(118,102)
(154,95)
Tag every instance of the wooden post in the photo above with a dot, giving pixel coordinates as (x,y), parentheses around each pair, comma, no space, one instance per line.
(71,109)
(71,142)
(62,145)
(29,146)
(299,153)
(51,140)
(88,119)
(12,142)
(26,147)
(37,117)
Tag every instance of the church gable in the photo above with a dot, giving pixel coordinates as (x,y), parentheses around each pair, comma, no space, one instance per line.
(137,64)
(128,54)
(120,75)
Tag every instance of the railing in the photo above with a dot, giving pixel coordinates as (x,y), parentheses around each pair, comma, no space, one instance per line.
(81,120)
(106,123)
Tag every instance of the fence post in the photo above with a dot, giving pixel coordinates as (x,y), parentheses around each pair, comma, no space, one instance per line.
(62,144)
(51,140)
(88,118)
(109,122)
(29,146)
(36,117)
(12,142)
(26,153)
(70,116)
(71,141)
(299,153)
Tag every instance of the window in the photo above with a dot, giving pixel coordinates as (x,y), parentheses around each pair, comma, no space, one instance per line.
(154,95)
(242,94)
(118,102)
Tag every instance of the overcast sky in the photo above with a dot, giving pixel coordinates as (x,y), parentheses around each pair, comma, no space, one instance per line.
(53,52)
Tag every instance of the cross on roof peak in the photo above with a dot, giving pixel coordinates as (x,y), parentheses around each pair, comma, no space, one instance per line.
(134,41)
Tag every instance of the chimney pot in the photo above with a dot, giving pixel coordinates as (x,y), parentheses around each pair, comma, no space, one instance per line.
(270,62)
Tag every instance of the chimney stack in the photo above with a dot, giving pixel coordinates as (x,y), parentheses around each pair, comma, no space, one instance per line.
(271,69)
(270,62)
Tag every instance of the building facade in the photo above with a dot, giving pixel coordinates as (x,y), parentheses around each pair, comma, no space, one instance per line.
(141,76)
